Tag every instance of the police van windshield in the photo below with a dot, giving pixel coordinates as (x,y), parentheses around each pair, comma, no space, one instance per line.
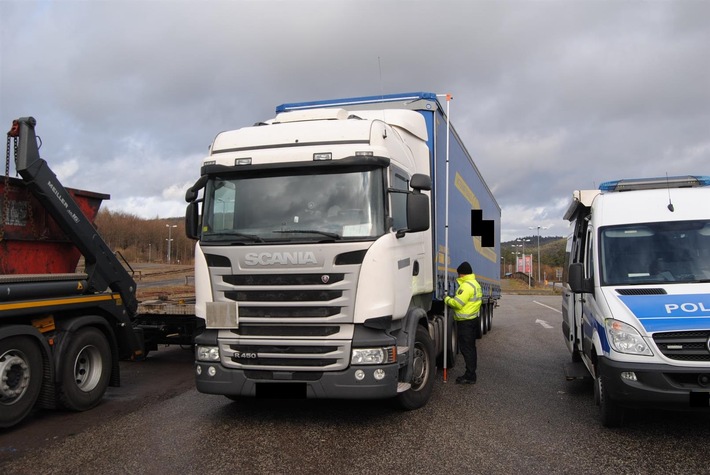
(649,253)
(242,209)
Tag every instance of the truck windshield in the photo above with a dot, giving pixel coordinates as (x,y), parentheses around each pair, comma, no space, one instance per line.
(650,253)
(251,208)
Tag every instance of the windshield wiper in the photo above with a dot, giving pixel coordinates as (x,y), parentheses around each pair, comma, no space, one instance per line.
(309,231)
(253,237)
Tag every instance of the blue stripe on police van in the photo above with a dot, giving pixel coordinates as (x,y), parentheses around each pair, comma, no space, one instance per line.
(670,312)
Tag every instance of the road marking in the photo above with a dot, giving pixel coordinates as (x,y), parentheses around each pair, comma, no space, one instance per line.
(543,323)
(547,306)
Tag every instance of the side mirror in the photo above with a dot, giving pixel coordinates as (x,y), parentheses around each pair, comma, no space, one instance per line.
(192,192)
(192,221)
(417,212)
(577,283)
(420,182)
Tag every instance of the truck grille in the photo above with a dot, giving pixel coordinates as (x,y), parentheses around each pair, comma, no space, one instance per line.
(684,346)
(292,318)
(308,298)
(285,355)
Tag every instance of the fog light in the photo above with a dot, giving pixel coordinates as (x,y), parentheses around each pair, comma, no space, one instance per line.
(212,371)
(199,370)
(629,376)
(359,375)
(379,374)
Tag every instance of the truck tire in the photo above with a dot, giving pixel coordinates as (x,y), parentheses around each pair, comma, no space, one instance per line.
(480,331)
(86,370)
(489,315)
(21,372)
(485,311)
(423,373)
(610,413)
(453,347)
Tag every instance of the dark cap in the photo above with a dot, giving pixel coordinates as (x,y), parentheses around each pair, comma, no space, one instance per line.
(464,268)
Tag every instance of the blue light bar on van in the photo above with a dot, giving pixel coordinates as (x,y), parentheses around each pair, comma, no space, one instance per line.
(631,184)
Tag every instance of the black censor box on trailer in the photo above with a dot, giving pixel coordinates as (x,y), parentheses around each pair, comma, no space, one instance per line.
(484,228)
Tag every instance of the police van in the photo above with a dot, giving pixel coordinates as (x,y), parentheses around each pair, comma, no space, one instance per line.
(636,303)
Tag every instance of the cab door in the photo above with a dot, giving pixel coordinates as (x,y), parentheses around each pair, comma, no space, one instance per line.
(571,301)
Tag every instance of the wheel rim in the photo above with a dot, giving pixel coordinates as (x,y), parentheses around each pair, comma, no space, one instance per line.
(87,368)
(14,376)
(420,368)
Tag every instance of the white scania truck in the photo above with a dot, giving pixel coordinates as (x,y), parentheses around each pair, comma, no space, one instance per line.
(636,305)
(321,260)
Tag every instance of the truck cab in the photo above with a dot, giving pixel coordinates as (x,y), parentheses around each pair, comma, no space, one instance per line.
(314,249)
(636,304)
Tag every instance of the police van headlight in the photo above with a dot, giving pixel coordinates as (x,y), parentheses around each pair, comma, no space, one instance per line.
(207,353)
(625,338)
(361,356)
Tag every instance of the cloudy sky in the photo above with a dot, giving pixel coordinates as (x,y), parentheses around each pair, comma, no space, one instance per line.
(549,96)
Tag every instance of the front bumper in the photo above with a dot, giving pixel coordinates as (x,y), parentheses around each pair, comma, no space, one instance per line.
(316,385)
(657,385)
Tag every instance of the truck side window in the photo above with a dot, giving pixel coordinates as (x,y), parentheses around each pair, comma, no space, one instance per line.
(398,201)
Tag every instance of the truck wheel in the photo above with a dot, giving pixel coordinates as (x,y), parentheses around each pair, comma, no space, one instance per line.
(20,378)
(610,414)
(489,316)
(480,331)
(422,372)
(453,348)
(86,370)
(486,318)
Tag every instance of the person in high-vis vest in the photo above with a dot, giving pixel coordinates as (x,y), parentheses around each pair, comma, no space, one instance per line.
(466,304)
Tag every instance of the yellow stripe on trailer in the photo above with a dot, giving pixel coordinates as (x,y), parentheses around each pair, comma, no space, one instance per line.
(60,301)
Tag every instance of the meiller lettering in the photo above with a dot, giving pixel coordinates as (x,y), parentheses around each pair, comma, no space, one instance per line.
(279,258)
(688,307)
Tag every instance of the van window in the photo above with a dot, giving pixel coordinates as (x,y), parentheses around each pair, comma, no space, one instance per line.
(649,253)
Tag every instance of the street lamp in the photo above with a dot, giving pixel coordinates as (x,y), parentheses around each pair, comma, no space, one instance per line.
(538,248)
(170,239)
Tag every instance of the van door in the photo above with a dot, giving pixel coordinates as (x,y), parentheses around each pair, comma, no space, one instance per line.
(572,302)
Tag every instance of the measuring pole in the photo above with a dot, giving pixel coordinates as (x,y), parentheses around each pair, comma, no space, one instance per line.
(446,236)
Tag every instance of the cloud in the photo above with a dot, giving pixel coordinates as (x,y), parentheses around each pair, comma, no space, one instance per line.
(548,96)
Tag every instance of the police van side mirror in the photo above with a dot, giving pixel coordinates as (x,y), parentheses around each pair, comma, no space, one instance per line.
(577,283)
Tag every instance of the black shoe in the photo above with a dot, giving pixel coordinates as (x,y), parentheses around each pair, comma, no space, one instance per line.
(465,380)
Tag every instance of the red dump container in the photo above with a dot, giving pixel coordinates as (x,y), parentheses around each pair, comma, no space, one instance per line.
(32,242)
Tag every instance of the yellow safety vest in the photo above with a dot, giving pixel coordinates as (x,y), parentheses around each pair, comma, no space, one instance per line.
(467,301)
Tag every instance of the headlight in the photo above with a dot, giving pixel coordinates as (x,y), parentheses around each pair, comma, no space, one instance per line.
(373,355)
(625,338)
(207,353)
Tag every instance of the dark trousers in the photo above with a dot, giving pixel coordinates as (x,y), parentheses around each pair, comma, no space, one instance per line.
(467,331)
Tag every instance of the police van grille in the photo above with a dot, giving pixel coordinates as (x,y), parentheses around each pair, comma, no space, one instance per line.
(684,345)
(642,291)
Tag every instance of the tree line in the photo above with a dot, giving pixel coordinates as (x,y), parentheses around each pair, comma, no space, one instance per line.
(145,240)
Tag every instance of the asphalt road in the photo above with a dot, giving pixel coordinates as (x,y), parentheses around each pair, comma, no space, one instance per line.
(521,417)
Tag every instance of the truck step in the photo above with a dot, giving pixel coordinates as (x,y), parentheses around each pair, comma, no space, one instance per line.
(575,371)
(401,387)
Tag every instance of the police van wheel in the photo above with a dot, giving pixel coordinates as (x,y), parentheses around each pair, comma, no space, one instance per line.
(610,413)
(423,372)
